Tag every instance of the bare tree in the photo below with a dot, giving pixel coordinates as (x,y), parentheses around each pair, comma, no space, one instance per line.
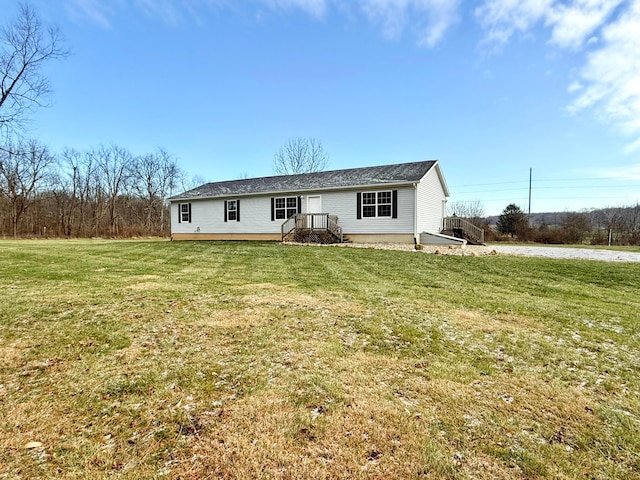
(69,192)
(187,182)
(26,45)
(91,197)
(23,167)
(300,155)
(472,211)
(609,219)
(97,192)
(114,167)
(576,227)
(155,178)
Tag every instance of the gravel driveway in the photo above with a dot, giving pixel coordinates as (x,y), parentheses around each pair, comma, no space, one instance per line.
(561,252)
(527,251)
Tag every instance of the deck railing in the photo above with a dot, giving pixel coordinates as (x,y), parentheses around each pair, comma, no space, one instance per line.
(457,224)
(311,223)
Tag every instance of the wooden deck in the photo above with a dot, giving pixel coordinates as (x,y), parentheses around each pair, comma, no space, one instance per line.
(461,228)
(312,228)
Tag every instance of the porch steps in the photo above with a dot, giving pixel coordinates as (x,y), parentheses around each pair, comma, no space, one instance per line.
(312,228)
(459,228)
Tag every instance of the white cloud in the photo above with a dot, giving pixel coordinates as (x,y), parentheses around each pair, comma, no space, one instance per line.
(315,8)
(612,75)
(573,23)
(503,18)
(95,11)
(166,10)
(633,147)
(575,87)
(101,12)
(609,82)
(429,19)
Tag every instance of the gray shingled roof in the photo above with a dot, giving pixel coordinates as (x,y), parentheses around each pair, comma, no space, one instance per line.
(354,177)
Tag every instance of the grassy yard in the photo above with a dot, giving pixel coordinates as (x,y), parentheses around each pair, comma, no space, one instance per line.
(617,248)
(152,359)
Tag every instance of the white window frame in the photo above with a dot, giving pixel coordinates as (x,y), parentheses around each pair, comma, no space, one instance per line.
(232,210)
(289,207)
(184,212)
(373,201)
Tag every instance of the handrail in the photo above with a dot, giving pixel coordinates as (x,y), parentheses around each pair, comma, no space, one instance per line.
(288,226)
(311,222)
(469,229)
(333,227)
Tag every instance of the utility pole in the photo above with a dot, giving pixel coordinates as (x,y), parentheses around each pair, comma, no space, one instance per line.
(530,173)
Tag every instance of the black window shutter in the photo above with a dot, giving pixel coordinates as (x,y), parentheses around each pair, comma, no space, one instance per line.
(237,210)
(299,204)
(189,212)
(179,213)
(273,209)
(225,210)
(359,205)
(394,204)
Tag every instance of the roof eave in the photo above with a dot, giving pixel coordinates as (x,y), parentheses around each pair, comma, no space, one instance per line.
(443,182)
(275,192)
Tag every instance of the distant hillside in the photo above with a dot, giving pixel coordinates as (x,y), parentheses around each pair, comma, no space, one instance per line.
(536,219)
(599,218)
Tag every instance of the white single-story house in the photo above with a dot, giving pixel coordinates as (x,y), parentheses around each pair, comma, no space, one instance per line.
(389,203)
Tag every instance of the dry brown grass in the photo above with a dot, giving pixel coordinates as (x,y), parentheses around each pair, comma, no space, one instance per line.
(314,363)
(507,323)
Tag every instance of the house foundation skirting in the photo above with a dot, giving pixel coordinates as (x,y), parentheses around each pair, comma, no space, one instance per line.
(261,237)
(380,237)
(276,237)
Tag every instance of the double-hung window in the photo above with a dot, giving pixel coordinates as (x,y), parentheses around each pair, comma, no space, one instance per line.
(285,207)
(232,210)
(184,213)
(378,204)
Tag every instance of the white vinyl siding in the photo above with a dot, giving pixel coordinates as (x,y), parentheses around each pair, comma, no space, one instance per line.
(207,215)
(344,205)
(431,196)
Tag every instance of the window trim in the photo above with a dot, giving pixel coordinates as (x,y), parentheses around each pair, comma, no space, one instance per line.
(287,208)
(228,210)
(181,217)
(361,205)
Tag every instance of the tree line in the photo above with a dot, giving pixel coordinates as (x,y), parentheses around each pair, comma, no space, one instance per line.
(104,192)
(108,191)
(601,226)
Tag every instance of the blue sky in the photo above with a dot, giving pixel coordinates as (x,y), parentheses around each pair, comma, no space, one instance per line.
(491,88)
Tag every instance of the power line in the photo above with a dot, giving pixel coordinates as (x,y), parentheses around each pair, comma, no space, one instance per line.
(507,199)
(486,184)
(564,187)
(537,182)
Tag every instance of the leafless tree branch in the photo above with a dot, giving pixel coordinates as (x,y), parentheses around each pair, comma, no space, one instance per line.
(300,155)
(26,45)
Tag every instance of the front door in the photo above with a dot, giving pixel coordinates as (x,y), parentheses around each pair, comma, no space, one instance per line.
(314,205)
